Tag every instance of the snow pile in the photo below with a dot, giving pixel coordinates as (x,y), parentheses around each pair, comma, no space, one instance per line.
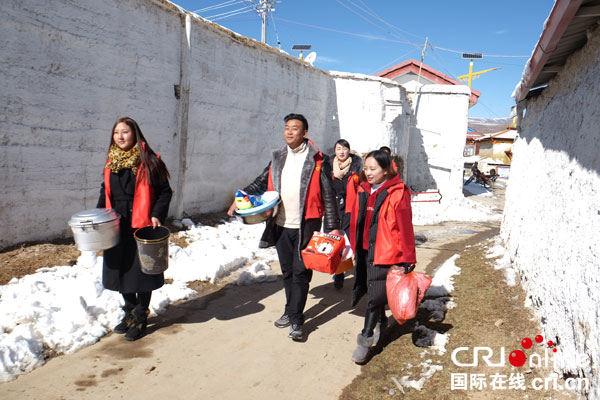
(434,342)
(62,309)
(459,209)
(427,371)
(442,283)
(477,189)
(498,251)
(257,272)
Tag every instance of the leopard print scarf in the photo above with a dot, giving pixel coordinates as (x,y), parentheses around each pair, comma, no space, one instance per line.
(120,159)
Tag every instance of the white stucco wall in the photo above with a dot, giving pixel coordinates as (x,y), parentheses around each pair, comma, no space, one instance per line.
(373,112)
(70,70)
(435,157)
(552,212)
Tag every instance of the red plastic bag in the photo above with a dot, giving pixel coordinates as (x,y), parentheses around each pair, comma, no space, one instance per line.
(324,252)
(405,292)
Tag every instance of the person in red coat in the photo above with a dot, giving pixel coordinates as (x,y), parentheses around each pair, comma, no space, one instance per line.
(346,169)
(381,235)
(136,185)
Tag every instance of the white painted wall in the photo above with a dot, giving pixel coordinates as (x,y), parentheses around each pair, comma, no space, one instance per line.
(552,213)
(70,70)
(435,156)
(373,112)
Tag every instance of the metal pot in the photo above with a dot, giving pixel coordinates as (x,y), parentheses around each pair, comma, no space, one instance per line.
(96,229)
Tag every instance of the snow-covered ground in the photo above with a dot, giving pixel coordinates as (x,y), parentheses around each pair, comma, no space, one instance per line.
(456,209)
(61,309)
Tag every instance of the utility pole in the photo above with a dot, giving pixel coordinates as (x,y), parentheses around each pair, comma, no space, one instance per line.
(263,7)
(421,65)
(472,75)
(422,58)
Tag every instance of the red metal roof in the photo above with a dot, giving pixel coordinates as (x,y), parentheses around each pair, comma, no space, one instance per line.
(432,74)
(474,135)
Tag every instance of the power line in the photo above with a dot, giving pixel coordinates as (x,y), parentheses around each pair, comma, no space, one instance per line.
(276,34)
(372,13)
(389,40)
(216,6)
(231,14)
(393,61)
(227,14)
(349,33)
(485,54)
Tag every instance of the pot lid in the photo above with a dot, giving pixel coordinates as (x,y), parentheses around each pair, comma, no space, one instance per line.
(95,216)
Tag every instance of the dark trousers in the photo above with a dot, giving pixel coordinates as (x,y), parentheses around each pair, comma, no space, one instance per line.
(296,278)
(372,317)
(138,301)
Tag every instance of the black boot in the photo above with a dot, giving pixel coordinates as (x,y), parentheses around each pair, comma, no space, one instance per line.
(338,281)
(123,326)
(137,328)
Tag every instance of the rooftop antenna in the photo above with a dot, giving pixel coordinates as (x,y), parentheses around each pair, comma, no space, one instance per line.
(301,48)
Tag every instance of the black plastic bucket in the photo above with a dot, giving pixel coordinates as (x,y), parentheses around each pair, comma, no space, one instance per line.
(153,249)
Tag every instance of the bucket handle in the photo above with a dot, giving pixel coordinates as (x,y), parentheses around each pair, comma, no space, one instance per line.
(86,224)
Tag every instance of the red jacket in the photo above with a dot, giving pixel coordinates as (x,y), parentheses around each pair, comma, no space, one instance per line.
(142,199)
(394,242)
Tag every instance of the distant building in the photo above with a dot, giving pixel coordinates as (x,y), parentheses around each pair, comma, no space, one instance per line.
(471,143)
(411,73)
(493,151)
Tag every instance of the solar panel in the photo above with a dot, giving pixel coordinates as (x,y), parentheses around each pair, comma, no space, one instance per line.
(472,55)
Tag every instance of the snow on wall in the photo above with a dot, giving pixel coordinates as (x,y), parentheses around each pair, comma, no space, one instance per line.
(435,159)
(209,101)
(552,212)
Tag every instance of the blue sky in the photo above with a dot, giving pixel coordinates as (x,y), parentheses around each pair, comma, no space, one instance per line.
(368,36)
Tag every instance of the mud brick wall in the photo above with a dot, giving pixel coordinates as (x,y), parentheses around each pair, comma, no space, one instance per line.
(552,213)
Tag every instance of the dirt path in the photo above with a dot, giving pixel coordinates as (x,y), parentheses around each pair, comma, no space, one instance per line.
(224,345)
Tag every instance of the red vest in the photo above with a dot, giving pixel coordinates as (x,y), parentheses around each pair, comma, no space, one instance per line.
(351,190)
(313,205)
(395,240)
(142,198)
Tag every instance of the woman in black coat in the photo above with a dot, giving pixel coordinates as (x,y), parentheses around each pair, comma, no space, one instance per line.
(136,185)
(346,169)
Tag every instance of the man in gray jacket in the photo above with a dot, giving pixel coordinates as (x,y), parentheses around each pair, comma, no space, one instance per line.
(303,181)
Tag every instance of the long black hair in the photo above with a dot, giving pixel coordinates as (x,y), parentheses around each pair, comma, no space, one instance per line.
(384,160)
(156,170)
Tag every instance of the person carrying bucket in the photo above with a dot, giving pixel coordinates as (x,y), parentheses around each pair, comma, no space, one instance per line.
(136,185)
(300,175)
(381,235)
